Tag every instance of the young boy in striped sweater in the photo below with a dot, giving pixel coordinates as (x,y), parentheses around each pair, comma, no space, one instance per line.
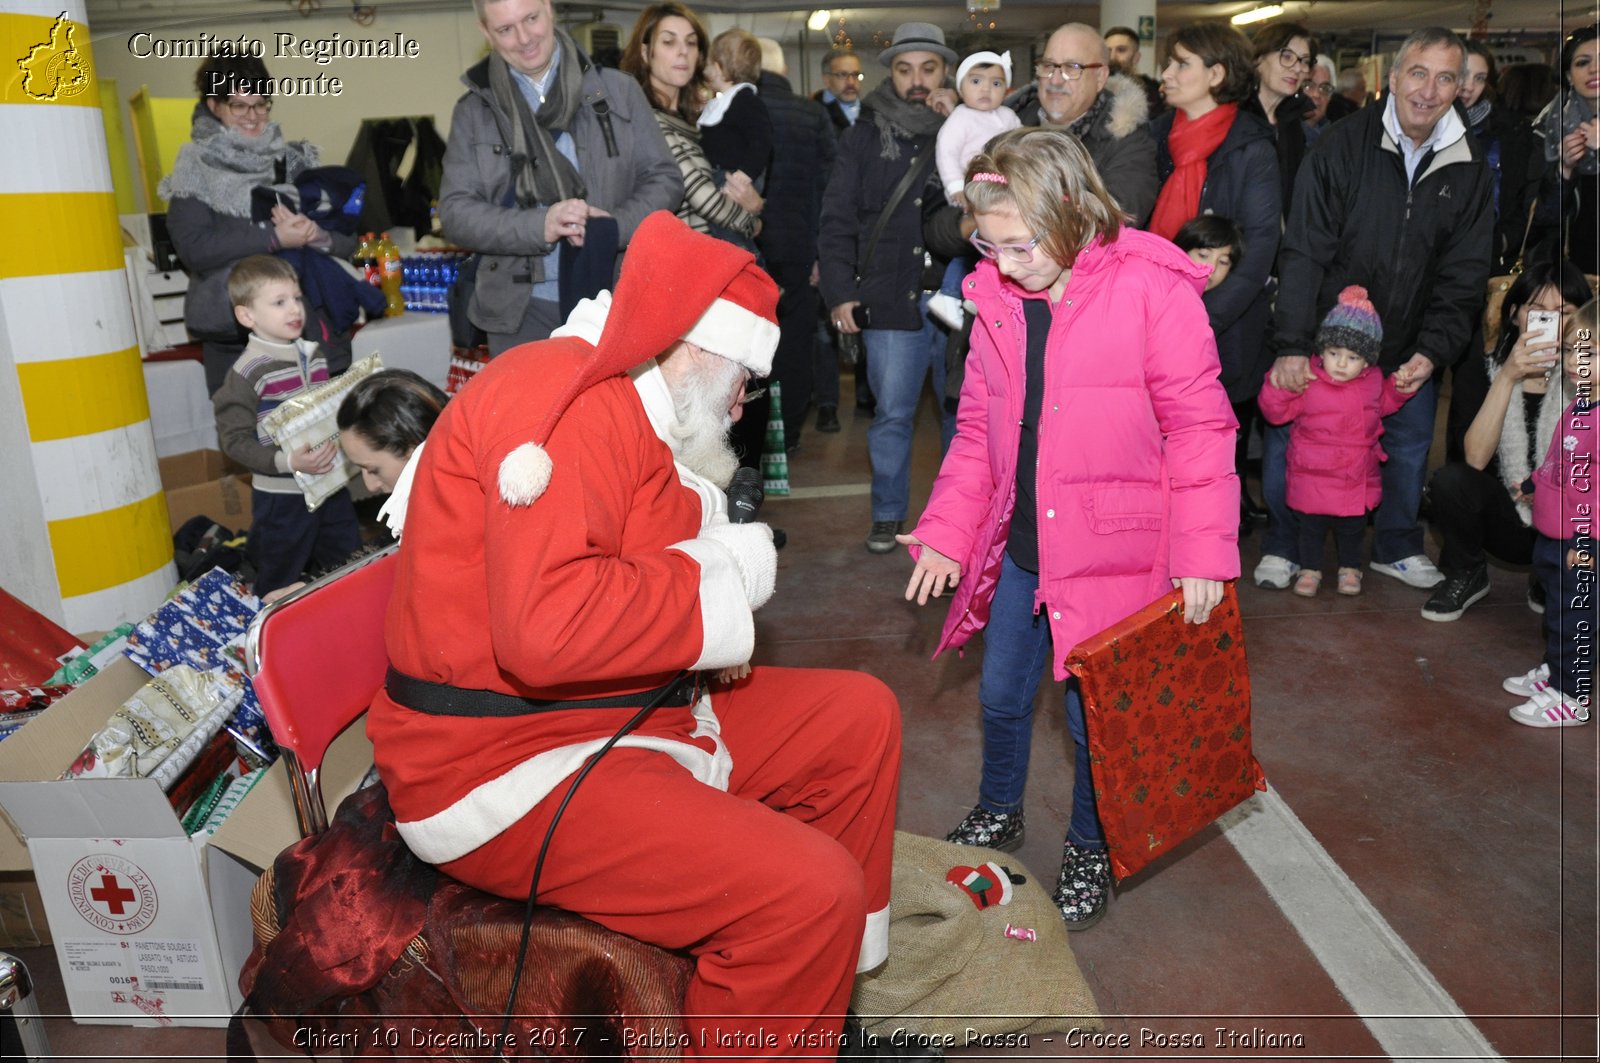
(285,537)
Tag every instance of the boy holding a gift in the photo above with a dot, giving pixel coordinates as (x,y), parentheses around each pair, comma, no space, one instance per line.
(285,534)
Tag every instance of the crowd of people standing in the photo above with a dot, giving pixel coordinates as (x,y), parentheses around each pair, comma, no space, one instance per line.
(1146,267)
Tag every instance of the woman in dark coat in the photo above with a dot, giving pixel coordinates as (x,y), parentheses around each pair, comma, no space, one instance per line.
(1509,147)
(1570,135)
(1282,57)
(1215,157)
(234,147)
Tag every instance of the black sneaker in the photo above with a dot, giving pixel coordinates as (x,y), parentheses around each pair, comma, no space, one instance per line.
(1452,597)
(827,418)
(1535,596)
(989,830)
(880,540)
(1083,889)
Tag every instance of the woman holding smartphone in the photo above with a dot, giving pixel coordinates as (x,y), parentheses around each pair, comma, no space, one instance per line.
(1480,505)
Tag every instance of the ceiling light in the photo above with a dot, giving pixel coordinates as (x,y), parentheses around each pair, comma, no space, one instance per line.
(818,20)
(1258,14)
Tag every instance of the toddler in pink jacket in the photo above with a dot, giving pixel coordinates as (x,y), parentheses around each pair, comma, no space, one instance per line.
(1333,478)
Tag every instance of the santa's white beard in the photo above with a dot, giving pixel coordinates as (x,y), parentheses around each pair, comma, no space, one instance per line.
(700,436)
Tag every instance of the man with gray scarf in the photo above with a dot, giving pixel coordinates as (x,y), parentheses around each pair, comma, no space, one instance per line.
(548,153)
(875,274)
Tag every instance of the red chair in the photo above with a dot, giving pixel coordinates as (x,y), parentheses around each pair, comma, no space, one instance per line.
(327,662)
(316,659)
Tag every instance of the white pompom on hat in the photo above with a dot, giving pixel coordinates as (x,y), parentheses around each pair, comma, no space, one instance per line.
(676,284)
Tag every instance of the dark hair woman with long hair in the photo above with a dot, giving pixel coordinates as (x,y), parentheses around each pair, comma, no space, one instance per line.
(1480,505)
(1570,128)
(666,54)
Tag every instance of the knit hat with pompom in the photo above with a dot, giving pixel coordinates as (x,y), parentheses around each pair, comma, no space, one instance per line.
(1352,323)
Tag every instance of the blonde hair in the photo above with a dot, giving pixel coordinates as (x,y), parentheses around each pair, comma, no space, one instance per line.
(1053,185)
(739,54)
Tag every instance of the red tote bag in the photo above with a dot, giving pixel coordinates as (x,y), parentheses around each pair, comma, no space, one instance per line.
(1168,712)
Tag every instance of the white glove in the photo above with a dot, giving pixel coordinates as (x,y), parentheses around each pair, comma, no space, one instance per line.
(754,554)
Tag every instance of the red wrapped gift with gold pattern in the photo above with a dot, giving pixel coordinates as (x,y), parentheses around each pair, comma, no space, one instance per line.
(1168,712)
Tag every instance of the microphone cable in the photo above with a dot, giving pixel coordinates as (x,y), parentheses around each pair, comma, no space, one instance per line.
(544,847)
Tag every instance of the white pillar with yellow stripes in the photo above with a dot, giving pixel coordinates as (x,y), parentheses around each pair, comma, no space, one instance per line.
(84,536)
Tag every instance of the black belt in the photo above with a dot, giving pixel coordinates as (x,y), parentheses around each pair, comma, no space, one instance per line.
(441,699)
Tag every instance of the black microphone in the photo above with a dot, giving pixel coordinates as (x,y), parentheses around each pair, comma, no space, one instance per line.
(745,495)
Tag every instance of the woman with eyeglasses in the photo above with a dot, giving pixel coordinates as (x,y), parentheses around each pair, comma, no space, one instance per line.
(235,146)
(1283,56)
(1214,156)
(1091,471)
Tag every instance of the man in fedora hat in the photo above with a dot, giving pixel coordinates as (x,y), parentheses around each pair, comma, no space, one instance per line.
(569,560)
(876,276)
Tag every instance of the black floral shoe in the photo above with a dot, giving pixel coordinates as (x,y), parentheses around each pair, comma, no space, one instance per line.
(1084,887)
(989,830)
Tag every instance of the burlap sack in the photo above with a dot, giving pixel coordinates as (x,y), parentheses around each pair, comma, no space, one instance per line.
(953,972)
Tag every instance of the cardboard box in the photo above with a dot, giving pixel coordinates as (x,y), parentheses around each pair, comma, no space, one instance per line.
(150,927)
(22,922)
(205,483)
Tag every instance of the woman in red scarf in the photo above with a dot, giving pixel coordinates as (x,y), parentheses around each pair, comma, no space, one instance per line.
(1214,158)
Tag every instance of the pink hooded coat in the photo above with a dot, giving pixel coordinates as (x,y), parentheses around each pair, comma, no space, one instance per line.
(1564,498)
(1333,440)
(1135,479)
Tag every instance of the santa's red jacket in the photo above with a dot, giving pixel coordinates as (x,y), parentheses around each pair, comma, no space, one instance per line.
(600,588)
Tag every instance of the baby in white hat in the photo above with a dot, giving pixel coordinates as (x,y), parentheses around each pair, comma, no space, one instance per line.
(982,80)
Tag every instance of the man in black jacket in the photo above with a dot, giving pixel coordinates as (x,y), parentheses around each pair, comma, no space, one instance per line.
(803,147)
(876,279)
(1394,198)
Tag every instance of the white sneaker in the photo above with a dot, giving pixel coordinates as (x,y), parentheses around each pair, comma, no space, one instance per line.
(1528,684)
(1415,571)
(947,308)
(1275,573)
(1550,708)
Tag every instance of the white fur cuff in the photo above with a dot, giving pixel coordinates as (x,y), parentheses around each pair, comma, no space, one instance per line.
(753,552)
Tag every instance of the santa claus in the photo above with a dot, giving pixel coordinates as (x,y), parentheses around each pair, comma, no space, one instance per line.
(567,559)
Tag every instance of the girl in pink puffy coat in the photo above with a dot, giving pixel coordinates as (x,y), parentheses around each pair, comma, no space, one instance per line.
(1092,467)
(1333,475)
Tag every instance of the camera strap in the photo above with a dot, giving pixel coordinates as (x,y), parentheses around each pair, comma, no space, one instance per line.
(917,171)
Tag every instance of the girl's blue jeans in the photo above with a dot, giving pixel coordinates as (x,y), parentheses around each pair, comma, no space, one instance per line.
(1016,653)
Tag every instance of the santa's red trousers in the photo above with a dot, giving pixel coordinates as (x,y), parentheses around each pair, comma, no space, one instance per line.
(767,885)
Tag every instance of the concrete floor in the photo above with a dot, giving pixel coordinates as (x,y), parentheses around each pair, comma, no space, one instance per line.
(1420,882)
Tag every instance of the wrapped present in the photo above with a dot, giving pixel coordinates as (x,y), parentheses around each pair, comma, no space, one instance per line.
(310,419)
(159,731)
(83,666)
(236,792)
(203,626)
(31,645)
(31,699)
(1168,712)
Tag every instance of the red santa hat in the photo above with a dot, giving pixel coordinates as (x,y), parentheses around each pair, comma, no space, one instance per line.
(676,283)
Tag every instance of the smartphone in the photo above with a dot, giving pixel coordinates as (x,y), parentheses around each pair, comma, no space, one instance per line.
(1544,326)
(862,316)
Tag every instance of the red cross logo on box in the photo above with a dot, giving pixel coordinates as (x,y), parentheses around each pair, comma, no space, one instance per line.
(112,893)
